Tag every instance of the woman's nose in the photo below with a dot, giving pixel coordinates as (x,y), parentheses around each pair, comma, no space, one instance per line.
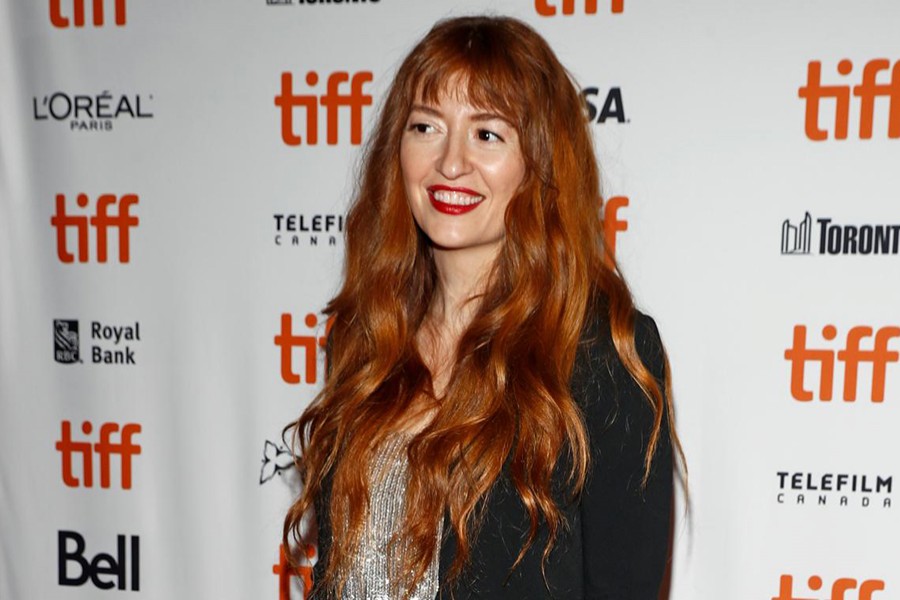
(454,159)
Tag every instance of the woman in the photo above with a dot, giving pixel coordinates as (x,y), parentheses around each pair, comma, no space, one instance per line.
(495,423)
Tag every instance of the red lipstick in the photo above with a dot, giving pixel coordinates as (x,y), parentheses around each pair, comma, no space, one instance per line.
(453,209)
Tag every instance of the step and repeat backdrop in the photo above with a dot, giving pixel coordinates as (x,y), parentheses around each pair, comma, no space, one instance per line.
(174,178)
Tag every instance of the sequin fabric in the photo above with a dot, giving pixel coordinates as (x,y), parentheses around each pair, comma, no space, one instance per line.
(370,576)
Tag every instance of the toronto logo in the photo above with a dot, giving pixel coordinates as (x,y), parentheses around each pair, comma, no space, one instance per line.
(833,238)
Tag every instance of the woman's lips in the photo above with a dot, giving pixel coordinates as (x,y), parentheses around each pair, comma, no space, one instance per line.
(453,200)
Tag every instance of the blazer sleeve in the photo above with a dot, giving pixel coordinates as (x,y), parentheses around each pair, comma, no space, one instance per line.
(625,526)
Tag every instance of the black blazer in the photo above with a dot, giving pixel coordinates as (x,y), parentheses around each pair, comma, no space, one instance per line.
(616,543)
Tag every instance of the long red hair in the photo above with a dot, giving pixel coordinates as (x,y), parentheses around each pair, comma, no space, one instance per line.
(508,403)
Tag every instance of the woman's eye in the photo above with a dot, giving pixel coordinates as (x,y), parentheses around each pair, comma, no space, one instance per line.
(488,136)
(420,127)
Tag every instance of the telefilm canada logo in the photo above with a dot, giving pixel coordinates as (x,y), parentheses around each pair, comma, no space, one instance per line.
(603,106)
(91,112)
(110,344)
(308,230)
(834,489)
(824,236)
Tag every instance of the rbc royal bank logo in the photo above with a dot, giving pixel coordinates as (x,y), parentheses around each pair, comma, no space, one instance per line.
(549,8)
(101,222)
(843,588)
(851,353)
(60,17)
(66,345)
(331,101)
(867,91)
(838,239)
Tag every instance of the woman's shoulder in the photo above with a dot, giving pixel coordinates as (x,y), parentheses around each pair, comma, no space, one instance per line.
(597,348)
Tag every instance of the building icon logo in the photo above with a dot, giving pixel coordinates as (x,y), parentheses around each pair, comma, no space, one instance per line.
(796,239)
(65,341)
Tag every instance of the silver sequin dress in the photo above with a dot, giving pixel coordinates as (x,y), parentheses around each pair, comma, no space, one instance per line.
(370,575)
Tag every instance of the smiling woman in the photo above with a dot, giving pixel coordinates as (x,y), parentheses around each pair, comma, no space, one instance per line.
(496,422)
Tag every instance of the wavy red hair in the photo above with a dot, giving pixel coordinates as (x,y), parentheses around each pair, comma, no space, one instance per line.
(508,403)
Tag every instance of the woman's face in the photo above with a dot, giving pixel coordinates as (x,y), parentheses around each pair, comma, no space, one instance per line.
(461,167)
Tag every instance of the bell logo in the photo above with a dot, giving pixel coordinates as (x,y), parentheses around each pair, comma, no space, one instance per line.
(59,20)
(844,588)
(332,100)
(125,448)
(287,341)
(286,573)
(612,225)
(547,8)
(105,571)
(799,355)
(867,91)
(123,221)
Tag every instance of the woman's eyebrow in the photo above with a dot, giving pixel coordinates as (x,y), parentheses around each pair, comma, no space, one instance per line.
(426,109)
(487,116)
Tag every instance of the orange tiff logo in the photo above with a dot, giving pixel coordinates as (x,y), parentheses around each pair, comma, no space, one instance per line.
(309,343)
(845,588)
(331,100)
(612,225)
(125,448)
(867,91)
(59,20)
(546,8)
(286,573)
(101,221)
(852,355)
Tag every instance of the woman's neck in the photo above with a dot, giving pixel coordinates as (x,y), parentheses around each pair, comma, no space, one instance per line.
(462,276)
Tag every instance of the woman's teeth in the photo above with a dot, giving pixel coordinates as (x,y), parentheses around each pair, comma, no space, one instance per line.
(456,198)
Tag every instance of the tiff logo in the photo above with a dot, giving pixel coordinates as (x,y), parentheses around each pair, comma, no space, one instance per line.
(800,356)
(860,590)
(286,573)
(59,20)
(867,91)
(309,343)
(332,100)
(612,225)
(796,239)
(125,448)
(102,221)
(546,8)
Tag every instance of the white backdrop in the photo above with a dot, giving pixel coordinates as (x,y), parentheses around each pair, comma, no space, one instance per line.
(220,238)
